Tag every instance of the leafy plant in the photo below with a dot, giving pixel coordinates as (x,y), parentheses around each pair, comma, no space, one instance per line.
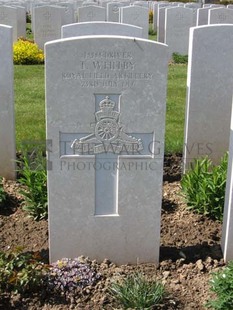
(222,285)
(20,272)
(204,187)
(136,292)
(179,59)
(151,16)
(27,53)
(151,30)
(33,175)
(2,192)
(68,275)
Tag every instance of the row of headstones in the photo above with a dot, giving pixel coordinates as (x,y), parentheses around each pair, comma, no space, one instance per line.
(105,184)
(173,22)
(48,20)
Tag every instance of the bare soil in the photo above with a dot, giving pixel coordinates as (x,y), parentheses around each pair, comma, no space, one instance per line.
(190,252)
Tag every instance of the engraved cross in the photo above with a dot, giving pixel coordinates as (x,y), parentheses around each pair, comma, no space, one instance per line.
(108,143)
(3,15)
(47,15)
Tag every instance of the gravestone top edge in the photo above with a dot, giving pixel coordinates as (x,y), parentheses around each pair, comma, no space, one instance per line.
(94,37)
(210,26)
(98,22)
(6,26)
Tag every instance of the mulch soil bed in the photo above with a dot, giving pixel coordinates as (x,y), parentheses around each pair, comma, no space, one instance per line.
(190,251)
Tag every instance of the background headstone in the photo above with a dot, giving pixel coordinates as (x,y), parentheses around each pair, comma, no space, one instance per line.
(220,16)
(100,28)
(113,11)
(178,21)
(106,119)
(14,17)
(209,93)
(47,24)
(136,15)
(7,121)
(91,13)
(202,16)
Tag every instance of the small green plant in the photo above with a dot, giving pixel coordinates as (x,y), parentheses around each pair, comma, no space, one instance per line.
(2,192)
(179,59)
(204,187)
(20,272)
(27,53)
(151,17)
(136,292)
(221,284)
(151,30)
(33,175)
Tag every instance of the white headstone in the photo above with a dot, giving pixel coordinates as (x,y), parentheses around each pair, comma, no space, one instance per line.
(202,16)
(220,16)
(178,21)
(7,122)
(161,24)
(113,11)
(47,24)
(21,21)
(156,7)
(69,16)
(100,28)
(227,229)
(91,13)
(14,17)
(136,15)
(106,121)
(209,93)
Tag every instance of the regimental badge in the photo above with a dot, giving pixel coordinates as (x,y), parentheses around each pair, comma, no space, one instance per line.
(108,135)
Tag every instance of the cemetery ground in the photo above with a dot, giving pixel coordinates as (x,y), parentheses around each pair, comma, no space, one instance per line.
(189,253)
(190,243)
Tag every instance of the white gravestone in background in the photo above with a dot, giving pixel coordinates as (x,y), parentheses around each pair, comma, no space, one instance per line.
(100,28)
(178,21)
(113,11)
(136,15)
(91,13)
(7,122)
(209,93)
(220,16)
(106,121)
(12,16)
(161,24)
(227,230)
(47,24)
(202,16)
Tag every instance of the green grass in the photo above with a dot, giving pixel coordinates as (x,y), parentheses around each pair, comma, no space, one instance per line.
(30,105)
(176,94)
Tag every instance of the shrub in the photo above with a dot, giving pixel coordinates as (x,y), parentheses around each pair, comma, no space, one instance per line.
(20,272)
(2,192)
(33,175)
(179,59)
(67,275)
(151,17)
(151,30)
(136,292)
(222,285)
(27,53)
(204,187)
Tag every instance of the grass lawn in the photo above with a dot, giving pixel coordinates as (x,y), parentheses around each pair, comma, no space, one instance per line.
(30,106)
